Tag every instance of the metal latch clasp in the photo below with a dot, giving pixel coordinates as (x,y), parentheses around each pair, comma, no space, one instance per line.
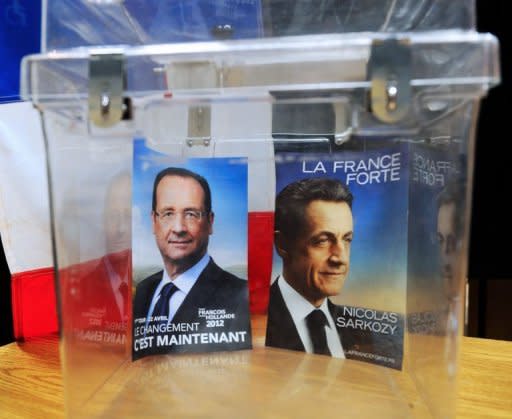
(389,70)
(199,125)
(106,87)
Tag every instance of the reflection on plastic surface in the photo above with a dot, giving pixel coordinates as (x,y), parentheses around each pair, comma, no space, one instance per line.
(96,297)
(90,184)
(72,23)
(97,291)
(330,16)
(257,383)
(438,233)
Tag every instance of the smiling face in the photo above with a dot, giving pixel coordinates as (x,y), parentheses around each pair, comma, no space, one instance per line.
(317,262)
(182,241)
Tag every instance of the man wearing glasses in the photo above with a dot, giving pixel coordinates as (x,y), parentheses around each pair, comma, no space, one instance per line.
(191,296)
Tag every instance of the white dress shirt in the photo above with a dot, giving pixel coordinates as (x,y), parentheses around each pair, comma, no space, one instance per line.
(299,309)
(184,282)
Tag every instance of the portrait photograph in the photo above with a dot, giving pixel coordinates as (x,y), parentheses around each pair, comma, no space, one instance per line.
(189,233)
(339,277)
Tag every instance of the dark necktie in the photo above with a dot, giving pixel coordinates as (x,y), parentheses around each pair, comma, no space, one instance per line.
(316,322)
(123,290)
(162,305)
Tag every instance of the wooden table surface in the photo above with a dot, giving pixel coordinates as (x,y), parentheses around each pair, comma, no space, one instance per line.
(31,383)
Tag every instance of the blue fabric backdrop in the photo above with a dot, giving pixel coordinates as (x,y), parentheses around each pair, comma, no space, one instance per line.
(20,28)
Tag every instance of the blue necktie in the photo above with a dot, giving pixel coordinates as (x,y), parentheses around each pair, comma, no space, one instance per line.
(162,305)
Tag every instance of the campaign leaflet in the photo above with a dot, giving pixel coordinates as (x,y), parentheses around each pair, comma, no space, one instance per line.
(189,254)
(436,233)
(95,268)
(345,256)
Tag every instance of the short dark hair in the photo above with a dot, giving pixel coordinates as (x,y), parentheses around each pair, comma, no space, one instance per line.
(292,201)
(181,172)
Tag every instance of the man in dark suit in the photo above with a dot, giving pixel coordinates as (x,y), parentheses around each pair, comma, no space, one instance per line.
(313,235)
(450,233)
(440,316)
(96,292)
(192,305)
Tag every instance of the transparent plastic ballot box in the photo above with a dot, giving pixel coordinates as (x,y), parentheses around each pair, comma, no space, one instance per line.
(402,108)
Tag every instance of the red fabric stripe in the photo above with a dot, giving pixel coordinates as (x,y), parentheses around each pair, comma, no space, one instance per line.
(33,303)
(33,292)
(261,239)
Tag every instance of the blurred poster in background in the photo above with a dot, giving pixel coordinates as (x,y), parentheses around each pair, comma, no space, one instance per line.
(24,218)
